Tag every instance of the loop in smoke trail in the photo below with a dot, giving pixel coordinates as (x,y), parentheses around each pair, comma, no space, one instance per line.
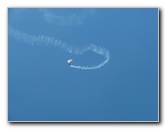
(48,41)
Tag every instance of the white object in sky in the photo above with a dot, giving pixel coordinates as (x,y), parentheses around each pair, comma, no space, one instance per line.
(69,61)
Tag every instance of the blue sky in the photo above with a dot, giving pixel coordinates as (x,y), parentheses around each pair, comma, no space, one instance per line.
(41,86)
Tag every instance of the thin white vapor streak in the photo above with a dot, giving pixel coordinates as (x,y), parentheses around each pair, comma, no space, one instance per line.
(50,41)
(61,20)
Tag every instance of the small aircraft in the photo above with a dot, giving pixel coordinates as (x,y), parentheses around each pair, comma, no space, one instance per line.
(69,61)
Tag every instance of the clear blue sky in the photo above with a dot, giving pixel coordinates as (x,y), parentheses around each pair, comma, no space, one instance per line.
(42,87)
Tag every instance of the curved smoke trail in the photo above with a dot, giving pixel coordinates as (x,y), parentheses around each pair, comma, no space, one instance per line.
(48,41)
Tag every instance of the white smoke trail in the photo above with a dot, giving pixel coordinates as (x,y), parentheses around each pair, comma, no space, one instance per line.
(61,20)
(48,41)
(70,19)
(98,50)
